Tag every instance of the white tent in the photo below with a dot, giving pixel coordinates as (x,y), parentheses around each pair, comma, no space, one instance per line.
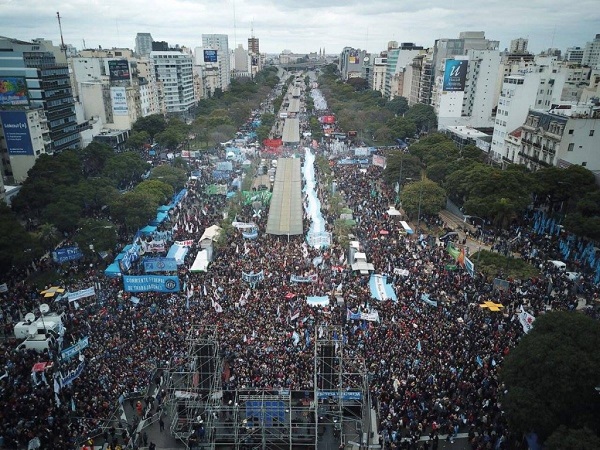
(393,212)
(211,233)
(201,262)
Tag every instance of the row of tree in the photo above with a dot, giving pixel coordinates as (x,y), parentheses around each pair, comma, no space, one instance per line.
(75,194)
(378,120)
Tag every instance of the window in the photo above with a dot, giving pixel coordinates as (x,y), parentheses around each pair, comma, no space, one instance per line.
(591,132)
(571,131)
(571,147)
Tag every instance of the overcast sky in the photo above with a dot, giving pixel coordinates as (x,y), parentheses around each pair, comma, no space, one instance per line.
(302,25)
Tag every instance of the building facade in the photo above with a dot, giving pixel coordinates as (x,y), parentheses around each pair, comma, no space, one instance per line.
(465,90)
(220,43)
(591,53)
(174,70)
(45,84)
(143,44)
(562,137)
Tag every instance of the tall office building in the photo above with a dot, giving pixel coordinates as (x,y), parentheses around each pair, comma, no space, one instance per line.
(47,84)
(398,58)
(591,53)
(220,43)
(143,44)
(465,90)
(574,54)
(519,45)
(174,71)
(253,46)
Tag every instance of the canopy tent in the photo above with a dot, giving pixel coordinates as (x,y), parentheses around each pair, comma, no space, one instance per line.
(211,233)
(178,253)
(113,270)
(201,262)
(163,208)
(161,216)
(148,229)
(393,212)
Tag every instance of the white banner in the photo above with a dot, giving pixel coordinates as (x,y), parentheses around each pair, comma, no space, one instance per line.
(403,272)
(186,243)
(243,225)
(89,292)
(154,246)
(3,287)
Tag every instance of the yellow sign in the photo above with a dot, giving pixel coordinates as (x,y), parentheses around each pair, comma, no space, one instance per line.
(495,307)
(52,291)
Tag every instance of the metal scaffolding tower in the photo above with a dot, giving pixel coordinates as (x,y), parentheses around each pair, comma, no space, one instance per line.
(194,387)
(340,388)
(206,414)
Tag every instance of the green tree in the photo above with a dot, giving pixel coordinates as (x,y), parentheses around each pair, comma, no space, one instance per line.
(572,439)
(425,196)
(63,214)
(358,84)
(95,193)
(398,106)
(134,209)
(423,116)
(48,236)
(160,191)
(552,374)
(48,173)
(152,124)
(170,138)
(171,175)
(101,234)
(137,139)
(94,157)
(14,240)
(401,167)
(125,168)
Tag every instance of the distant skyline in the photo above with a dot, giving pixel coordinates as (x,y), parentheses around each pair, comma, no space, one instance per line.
(300,26)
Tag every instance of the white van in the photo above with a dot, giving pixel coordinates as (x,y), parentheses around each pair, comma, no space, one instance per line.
(48,323)
(38,343)
(559,265)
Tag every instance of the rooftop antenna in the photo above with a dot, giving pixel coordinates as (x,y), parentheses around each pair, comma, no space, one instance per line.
(234,27)
(63,47)
(252,29)
(84,47)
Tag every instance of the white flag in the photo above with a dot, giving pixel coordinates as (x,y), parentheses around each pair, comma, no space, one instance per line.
(526,320)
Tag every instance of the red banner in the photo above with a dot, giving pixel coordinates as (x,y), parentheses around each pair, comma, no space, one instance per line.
(273,143)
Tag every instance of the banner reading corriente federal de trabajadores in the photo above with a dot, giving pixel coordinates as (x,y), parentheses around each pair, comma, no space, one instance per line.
(150,283)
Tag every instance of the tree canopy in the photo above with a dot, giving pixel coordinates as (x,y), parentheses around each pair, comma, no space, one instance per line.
(552,374)
(425,196)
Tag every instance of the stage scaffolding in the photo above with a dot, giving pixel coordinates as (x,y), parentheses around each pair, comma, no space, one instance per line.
(206,415)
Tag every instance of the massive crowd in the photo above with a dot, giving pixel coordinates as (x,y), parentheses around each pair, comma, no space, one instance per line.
(432,369)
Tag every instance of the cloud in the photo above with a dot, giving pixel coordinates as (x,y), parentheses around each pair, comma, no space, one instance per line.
(300,25)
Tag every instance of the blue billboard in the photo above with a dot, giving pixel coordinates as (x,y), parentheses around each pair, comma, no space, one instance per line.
(210,56)
(150,283)
(16,132)
(61,255)
(455,75)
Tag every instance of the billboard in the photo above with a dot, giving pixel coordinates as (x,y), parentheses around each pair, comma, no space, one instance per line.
(16,132)
(210,56)
(118,96)
(455,75)
(118,70)
(13,91)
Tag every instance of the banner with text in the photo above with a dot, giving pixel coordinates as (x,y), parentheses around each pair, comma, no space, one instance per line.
(160,265)
(151,283)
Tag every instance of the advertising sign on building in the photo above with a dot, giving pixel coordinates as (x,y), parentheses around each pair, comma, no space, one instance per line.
(13,91)
(16,132)
(455,75)
(118,70)
(118,96)
(210,56)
